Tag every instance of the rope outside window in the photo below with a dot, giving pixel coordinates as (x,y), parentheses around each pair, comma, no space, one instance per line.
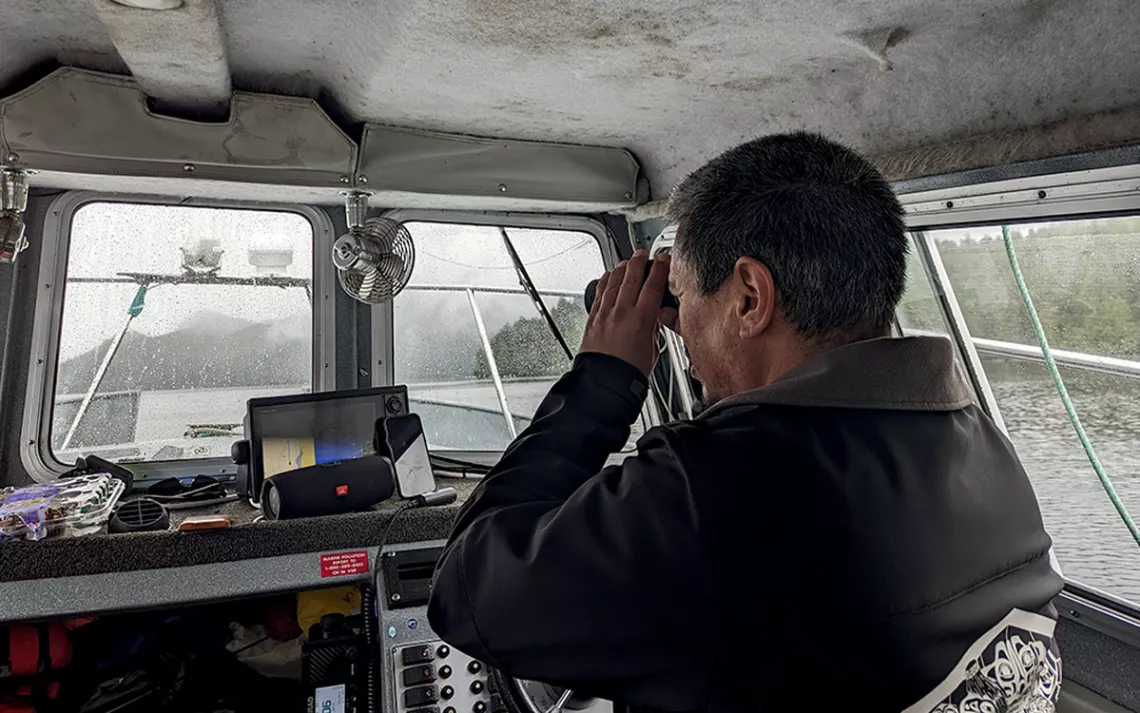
(1059,383)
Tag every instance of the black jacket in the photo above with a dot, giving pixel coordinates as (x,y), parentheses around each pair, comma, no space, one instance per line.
(858,533)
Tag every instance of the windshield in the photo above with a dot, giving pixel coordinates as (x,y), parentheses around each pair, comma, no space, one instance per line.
(174,317)
(476,354)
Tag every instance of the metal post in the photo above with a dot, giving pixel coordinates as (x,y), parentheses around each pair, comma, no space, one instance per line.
(102,371)
(561,702)
(134,311)
(494,367)
(355,207)
(680,377)
(956,322)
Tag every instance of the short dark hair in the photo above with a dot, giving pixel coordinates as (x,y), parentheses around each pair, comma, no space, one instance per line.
(819,215)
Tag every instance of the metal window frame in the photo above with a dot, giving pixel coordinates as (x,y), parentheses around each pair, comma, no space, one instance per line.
(1072,195)
(955,322)
(35,441)
(383,322)
(1101,611)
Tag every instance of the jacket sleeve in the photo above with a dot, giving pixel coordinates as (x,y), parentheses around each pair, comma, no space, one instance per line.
(561,573)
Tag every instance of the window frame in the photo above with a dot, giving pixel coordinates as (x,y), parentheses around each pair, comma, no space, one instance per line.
(1071,195)
(1095,193)
(35,441)
(383,319)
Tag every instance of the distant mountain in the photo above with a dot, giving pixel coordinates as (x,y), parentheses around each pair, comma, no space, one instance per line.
(436,340)
(209,351)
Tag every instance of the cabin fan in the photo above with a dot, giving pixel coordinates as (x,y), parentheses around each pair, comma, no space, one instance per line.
(374,259)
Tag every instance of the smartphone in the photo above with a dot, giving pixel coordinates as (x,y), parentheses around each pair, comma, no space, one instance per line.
(667,300)
(405,444)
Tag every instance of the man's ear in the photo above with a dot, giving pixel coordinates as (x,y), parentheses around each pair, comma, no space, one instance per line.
(755,301)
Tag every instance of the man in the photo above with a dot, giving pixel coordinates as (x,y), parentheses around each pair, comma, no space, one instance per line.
(843,528)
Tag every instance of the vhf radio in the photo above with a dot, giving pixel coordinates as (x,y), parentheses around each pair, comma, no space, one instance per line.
(335,666)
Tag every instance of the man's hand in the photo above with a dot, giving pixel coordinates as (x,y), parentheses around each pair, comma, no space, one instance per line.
(623,320)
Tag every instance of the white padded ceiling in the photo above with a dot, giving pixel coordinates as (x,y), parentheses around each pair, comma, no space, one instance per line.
(674,81)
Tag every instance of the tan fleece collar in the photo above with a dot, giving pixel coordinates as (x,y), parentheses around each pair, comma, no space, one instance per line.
(908,373)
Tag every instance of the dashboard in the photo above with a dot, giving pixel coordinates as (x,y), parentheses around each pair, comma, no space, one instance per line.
(420,673)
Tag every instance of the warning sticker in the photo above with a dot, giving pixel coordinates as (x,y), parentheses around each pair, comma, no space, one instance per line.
(344,563)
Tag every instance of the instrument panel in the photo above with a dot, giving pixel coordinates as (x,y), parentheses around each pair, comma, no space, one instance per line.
(423,674)
(431,677)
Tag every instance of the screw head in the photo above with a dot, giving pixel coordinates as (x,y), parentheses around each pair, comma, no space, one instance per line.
(1041,195)
(396,597)
(362,179)
(629,195)
(12,157)
(188,167)
(344,179)
(502,188)
(949,204)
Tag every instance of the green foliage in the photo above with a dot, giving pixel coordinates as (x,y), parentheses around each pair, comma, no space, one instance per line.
(527,348)
(1084,277)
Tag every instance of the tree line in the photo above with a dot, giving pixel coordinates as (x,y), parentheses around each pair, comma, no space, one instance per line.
(526,348)
(1084,277)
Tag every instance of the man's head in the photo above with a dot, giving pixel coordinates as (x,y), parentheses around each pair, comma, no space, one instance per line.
(786,245)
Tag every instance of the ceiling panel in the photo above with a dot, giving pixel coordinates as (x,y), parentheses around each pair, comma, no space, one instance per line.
(674,81)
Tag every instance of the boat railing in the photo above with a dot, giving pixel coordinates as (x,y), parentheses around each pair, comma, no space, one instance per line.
(1031,352)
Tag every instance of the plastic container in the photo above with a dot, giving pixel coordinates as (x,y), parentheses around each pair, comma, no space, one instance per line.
(68,508)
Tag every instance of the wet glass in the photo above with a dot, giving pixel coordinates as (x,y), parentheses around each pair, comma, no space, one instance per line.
(918,311)
(1084,277)
(199,342)
(464,270)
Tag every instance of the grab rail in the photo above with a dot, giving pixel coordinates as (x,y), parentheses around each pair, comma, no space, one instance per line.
(1031,352)
(1076,360)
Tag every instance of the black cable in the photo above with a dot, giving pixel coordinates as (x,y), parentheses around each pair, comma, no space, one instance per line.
(388,527)
(262,640)
(442,496)
(369,602)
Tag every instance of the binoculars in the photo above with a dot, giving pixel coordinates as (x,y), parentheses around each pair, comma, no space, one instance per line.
(667,300)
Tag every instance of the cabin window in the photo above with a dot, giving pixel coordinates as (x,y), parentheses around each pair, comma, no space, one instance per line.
(918,310)
(1084,277)
(465,300)
(172,318)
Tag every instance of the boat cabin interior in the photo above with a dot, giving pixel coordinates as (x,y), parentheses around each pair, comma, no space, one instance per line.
(243,240)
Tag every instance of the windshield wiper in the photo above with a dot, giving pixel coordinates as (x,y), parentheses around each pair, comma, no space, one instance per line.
(464,467)
(528,285)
